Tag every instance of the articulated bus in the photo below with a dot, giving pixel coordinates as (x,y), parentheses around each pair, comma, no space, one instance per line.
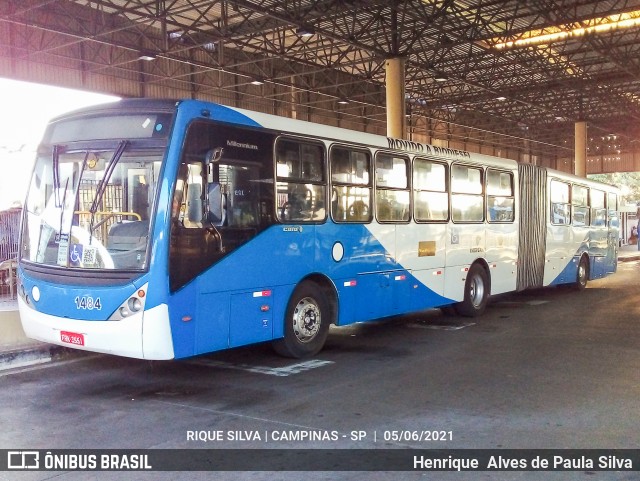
(167,229)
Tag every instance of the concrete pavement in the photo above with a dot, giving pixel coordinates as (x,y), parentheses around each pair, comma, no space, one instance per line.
(16,349)
(628,253)
(542,369)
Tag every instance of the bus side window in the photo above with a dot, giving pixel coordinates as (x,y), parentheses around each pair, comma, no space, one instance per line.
(193,209)
(467,199)
(580,203)
(431,200)
(599,213)
(193,247)
(599,217)
(500,196)
(351,184)
(560,214)
(560,207)
(392,188)
(301,181)
(612,206)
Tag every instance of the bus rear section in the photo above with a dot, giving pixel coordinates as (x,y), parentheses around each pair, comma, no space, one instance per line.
(569,229)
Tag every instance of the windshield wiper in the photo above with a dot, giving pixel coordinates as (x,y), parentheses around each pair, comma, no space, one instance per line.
(59,201)
(102,186)
(56,176)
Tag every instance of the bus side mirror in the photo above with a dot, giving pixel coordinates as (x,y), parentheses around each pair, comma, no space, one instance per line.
(215,200)
(213,156)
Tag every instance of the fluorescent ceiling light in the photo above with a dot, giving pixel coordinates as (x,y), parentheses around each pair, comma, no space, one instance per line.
(305,32)
(559,33)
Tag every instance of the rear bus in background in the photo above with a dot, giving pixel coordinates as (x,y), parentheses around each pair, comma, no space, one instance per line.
(162,229)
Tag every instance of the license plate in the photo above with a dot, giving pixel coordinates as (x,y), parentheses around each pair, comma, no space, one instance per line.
(72,338)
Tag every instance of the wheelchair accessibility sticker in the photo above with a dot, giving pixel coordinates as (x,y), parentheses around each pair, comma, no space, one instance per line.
(81,255)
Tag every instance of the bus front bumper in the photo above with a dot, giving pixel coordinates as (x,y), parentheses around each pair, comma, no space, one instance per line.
(146,335)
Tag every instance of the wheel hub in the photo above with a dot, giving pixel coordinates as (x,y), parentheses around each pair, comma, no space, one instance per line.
(476,291)
(306,319)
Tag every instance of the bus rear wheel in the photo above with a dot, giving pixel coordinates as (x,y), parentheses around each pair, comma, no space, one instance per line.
(306,323)
(582,276)
(476,292)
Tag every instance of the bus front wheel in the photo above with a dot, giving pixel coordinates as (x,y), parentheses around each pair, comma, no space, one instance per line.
(306,323)
(476,292)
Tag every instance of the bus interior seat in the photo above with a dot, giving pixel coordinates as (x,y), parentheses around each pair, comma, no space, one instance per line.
(358,211)
(217,204)
(384,211)
(194,205)
(336,206)
(125,242)
(128,235)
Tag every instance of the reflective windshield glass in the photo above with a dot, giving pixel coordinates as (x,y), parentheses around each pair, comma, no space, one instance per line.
(90,207)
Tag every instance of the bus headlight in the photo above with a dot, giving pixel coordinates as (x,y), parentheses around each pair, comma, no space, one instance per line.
(131,306)
(134,304)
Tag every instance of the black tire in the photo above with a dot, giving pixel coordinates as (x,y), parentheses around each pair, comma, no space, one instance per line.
(306,323)
(477,289)
(582,276)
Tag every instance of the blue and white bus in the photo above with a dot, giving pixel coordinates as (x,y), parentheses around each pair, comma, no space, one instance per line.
(167,229)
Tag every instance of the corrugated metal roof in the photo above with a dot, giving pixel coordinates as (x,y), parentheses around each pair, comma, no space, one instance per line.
(214,49)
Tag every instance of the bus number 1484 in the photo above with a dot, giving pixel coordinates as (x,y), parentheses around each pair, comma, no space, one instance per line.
(88,302)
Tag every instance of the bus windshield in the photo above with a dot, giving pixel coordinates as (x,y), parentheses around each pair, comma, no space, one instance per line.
(89,205)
